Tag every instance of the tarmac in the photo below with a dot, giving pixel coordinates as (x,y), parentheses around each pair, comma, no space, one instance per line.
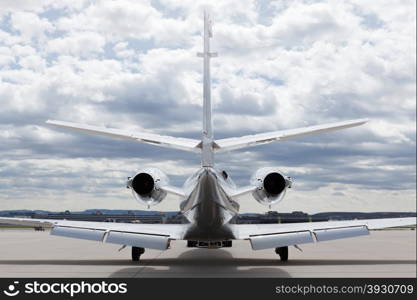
(29,253)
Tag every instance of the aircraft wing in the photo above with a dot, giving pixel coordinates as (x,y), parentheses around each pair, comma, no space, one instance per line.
(147,138)
(265,236)
(282,135)
(153,236)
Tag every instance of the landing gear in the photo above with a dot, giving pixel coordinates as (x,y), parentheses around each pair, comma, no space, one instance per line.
(282,252)
(137,252)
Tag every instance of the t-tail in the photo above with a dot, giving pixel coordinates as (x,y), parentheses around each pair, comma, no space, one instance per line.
(207,151)
(207,145)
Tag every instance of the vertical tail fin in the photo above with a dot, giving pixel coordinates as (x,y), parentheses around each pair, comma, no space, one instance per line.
(207,136)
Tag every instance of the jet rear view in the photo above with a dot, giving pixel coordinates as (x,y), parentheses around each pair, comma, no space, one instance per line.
(209,197)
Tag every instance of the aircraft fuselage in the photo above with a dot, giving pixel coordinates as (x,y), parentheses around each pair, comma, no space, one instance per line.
(208,206)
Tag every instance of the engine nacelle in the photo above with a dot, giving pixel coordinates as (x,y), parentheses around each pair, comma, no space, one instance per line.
(147,186)
(271,186)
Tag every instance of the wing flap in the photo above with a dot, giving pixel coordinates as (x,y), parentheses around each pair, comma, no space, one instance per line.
(264,236)
(79,233)
(267,241)
(154,236)
(340,233)
(269,137)
(261,242)
(158,242)
(147,138)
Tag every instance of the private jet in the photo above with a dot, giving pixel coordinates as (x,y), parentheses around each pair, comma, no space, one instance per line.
(210,199)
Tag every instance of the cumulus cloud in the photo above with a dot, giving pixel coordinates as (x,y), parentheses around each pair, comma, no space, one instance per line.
(29,25)
(282,64)
(78,44)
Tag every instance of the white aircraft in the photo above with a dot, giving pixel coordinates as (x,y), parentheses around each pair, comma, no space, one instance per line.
(209,195)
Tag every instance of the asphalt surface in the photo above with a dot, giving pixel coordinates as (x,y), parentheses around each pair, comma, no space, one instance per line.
(26,253)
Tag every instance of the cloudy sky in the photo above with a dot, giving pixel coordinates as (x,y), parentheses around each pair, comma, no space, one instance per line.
(282,64)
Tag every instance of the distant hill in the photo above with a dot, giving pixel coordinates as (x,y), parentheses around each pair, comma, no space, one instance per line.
(122,215)
(87,211)
(361,215)
(325,215)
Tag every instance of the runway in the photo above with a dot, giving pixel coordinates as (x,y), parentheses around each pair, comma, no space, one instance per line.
(26,253)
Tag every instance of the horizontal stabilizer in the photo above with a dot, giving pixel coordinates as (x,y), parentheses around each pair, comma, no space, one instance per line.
(282,135)
(147,138)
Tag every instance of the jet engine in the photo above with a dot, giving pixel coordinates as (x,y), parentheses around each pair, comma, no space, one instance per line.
(271,186)
(147,186)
